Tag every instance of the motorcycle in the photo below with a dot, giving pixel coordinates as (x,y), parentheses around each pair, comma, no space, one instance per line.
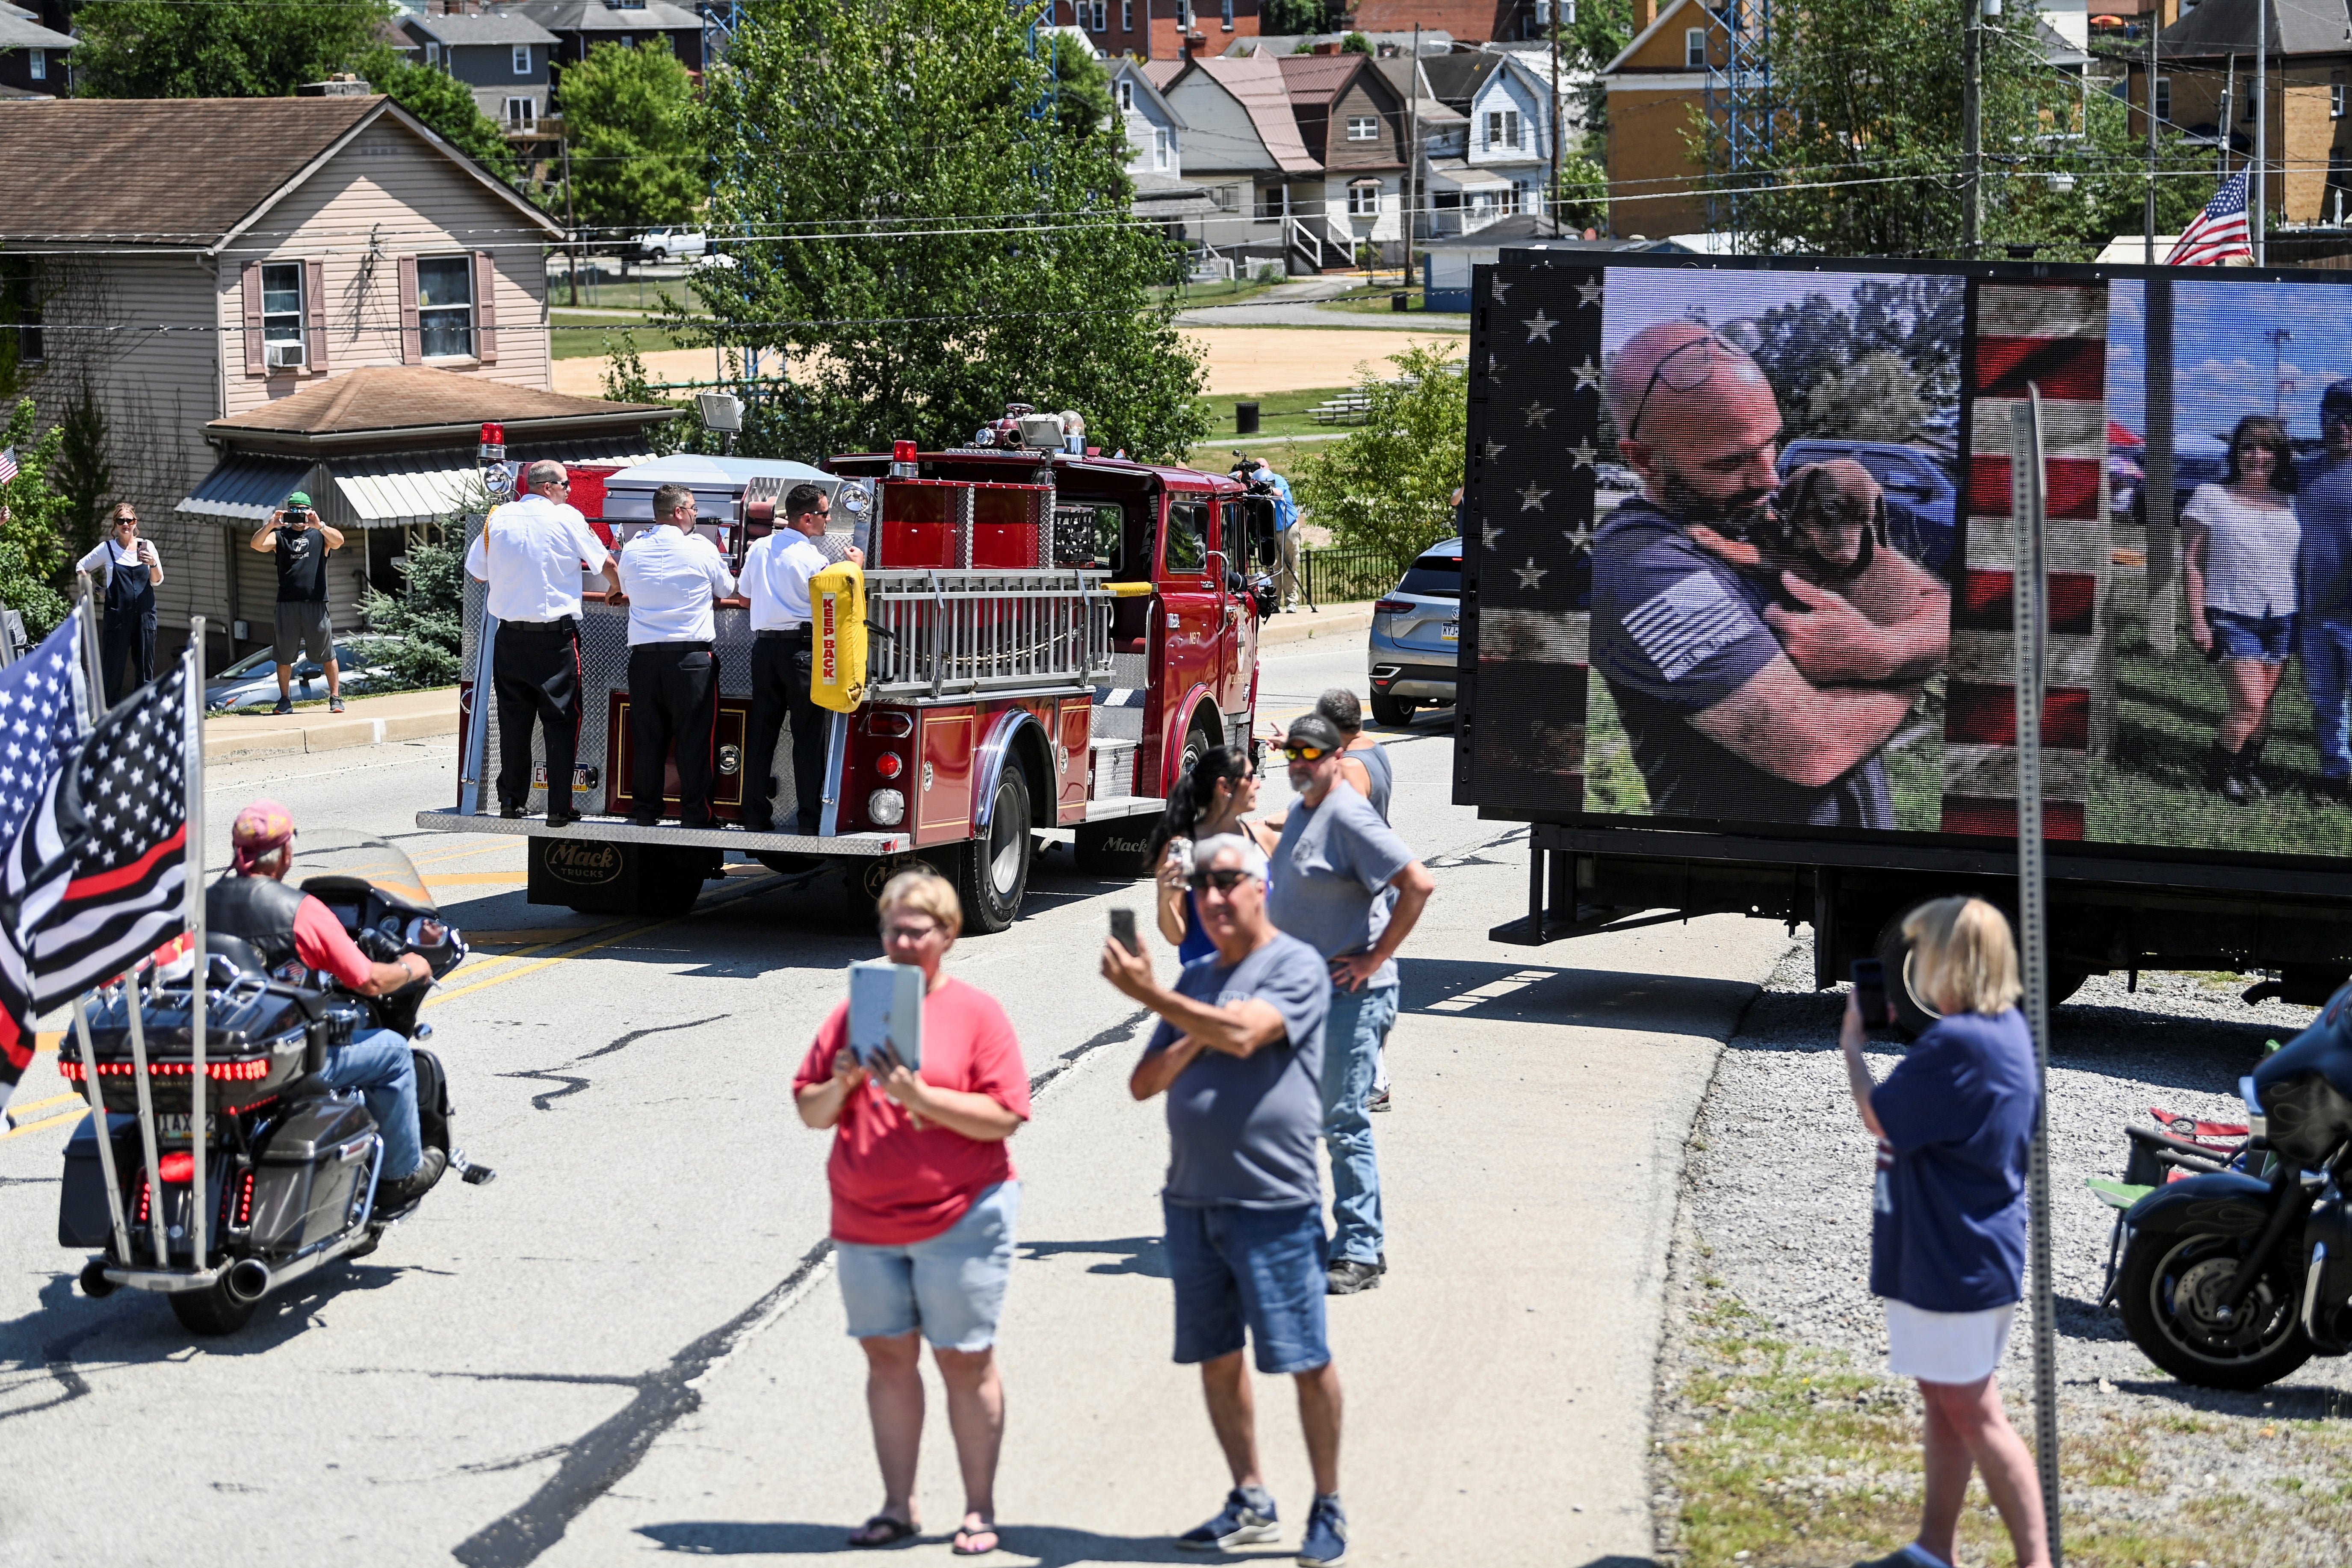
(2231,1280)
(288,1166)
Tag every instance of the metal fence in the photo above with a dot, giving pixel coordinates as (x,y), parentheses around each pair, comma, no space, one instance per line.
(1341,576)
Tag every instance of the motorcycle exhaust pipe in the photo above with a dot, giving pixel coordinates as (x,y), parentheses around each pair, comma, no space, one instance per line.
(249,1279)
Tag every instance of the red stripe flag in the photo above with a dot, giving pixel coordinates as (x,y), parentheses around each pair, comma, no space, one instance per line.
(40,717)
(2220,232)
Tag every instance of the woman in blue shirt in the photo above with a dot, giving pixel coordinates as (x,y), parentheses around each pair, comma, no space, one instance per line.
(1953,1123)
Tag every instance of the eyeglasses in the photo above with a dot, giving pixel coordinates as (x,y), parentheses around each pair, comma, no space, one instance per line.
(909,933)
(1224,880)
(1741,338)
(1303,754)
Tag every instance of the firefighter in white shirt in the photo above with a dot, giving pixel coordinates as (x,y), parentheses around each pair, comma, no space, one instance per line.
(669,577)
(130,569)
(776,573)
(532,553)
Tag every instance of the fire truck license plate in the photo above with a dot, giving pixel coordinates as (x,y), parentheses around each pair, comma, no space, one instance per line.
(1454,631)
(174,1125)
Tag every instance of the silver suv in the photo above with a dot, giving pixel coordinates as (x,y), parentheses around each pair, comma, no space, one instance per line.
(1415,630)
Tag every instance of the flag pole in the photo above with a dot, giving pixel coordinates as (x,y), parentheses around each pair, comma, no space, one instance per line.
(96,1095)
(192,858)
(93,660)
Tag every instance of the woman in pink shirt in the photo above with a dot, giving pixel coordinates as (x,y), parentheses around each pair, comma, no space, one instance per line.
(924,1203)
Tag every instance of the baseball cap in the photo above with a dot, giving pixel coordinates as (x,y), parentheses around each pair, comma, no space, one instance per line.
(1314,729)
(259,828)
(298,499)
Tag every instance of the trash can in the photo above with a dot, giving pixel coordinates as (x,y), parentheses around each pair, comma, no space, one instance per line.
(1400,301)
(1245,418)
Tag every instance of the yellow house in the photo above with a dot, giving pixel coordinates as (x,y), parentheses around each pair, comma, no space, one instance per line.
(1657,90)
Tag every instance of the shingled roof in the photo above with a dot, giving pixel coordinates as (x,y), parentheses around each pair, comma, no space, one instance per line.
(2227,26)
(395,403)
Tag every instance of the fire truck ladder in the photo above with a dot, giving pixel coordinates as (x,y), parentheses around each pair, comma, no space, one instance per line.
(938,633)
(1738,102)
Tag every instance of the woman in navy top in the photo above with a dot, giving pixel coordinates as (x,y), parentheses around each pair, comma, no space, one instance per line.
(1212,797)
(1953,1123)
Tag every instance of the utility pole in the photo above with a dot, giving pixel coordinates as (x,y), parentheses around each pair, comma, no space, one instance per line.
(2257,202)
(1552,201)
(572,227)
(1972,129)
(2148,220)
(1412,157)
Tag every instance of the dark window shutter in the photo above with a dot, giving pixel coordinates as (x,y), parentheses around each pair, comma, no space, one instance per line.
(412,334)
(255,363)
(485,308)
(314,324)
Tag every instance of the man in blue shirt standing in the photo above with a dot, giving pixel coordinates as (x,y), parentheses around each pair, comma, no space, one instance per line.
(1285,522)
(2322,572)
(1239,1052)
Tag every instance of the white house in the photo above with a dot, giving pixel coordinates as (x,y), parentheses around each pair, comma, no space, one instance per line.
(1155,131)
(1501,161)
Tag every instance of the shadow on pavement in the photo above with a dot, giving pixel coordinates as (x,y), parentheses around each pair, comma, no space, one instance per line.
(1050,1546)
(1592,998)
(1130,1255)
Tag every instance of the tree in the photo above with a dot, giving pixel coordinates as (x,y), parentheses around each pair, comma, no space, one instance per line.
(1282,18)
(427,615)
(1389,486)
(32,511)
(84,475)
(1583,192)
(1914,323)
(226,49)
(1356,44)
(1865,138)
(1082,97)
(927,239)
(443,103)
(627,117)
(1876,398)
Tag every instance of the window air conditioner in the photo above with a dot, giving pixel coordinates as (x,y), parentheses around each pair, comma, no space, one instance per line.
(286,356)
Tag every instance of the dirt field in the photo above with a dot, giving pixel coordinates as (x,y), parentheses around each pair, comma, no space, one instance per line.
(1240,359)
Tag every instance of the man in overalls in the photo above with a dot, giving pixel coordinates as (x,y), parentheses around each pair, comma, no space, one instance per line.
(126,639)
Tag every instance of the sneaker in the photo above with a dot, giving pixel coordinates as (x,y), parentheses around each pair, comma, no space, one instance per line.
(285,705)
(1378,1102)
(1327,1535)
(334,704)
(1350,1275)
(1244,1521)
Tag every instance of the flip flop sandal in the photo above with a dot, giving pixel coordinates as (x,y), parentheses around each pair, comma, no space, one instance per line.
(881,1531)
(963,1546)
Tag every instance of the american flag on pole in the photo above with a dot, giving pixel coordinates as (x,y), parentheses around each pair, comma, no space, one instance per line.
(8,465)
(2219,232)
(40,718)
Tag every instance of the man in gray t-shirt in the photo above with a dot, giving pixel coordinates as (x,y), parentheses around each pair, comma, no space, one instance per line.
(1348,885)
(1238,1052)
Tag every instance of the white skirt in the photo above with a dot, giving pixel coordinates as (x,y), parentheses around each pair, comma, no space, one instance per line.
(1946,1347)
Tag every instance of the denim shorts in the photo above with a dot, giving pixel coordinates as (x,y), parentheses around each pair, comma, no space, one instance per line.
(1264,1270)
(951,1287)
(2266,637)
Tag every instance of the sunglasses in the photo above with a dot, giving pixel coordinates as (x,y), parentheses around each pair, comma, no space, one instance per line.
(1224,881)
(1303,754)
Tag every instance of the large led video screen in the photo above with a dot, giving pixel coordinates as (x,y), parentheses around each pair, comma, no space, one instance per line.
(1743,543)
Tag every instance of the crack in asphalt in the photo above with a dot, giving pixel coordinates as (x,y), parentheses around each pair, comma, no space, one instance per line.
(572,1085)
(547,1101)
(594,1463)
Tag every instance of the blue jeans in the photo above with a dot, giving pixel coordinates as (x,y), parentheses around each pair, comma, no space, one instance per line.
(2327,673)
(951,1286)
(1353,1033)
(378,1065)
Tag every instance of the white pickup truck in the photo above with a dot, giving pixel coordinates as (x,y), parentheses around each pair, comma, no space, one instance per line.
(671,244)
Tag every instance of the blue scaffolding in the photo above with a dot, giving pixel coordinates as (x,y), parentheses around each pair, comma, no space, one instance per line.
(1738,105)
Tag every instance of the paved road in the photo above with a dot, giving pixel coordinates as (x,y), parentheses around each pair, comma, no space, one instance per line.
(630,1344)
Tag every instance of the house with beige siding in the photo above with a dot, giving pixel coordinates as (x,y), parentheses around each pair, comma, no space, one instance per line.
(242,253)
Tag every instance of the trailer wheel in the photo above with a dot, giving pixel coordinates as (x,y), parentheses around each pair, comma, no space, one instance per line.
(212,1310)
(995,867)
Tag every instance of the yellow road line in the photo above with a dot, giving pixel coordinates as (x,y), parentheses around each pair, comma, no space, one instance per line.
(15,1111)
(464,854)
(47,1041)
(36,1126)
(477,879)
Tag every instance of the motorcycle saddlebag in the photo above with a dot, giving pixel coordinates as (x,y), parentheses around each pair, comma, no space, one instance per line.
(310,1171)
(82,1217)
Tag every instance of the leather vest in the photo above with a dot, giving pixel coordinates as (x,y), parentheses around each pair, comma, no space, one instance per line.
(260,910)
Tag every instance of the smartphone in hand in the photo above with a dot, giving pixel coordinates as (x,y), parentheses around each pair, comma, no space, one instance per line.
(1870,993)
(1122,931)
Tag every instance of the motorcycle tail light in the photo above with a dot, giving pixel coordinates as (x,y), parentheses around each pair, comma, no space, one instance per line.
(886,808)
(889,764)
(252,1071)
(244,1198)
(177,1169)
(144,1195)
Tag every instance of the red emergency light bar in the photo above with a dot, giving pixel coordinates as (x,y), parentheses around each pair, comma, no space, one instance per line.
(251,1071)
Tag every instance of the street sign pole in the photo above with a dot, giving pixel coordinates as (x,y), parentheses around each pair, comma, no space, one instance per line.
(2031,623)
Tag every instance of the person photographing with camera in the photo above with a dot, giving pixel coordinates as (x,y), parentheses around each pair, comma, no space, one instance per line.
(131,569)
(301,543)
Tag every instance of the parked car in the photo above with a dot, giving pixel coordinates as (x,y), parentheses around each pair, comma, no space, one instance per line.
(1415,630)
(1615,476)
(252,680)
(1923,495)
(671,244)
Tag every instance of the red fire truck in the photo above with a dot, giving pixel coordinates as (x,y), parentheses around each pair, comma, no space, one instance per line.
(1049,638)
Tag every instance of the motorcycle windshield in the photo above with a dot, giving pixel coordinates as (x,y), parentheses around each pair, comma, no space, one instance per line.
(324,853)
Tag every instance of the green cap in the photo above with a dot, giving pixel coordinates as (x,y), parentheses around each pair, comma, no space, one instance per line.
(298,499)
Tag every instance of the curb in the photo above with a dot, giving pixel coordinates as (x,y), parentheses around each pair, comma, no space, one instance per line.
(1303,625)
(339,735)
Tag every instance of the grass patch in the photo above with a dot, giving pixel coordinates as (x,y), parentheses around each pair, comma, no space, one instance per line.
(1238,292)
(594,334)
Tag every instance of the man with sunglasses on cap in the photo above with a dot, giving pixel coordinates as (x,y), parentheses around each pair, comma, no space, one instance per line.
(532,553)
(126,638)
(1239,1054)
(1746,695)
(2322,572)
(294,933)
(1347,887)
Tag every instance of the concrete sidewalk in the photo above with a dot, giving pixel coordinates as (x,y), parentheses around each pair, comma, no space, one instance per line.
(364,721)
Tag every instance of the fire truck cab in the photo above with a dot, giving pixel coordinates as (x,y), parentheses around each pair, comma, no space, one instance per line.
(1047,640)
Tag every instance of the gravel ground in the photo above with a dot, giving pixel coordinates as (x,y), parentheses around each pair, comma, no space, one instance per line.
(1771,1309)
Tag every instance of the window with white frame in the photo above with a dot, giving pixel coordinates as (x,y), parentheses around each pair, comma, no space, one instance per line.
(1093,14)
(523,114)
(1517,201)
(2164,101)
(281,314)
(1364,199)
(445,306)
(1503,127)
(1161,146)
(1225,198)
(433,56)
(37,64)
(1125,97)
(1363,128)
(1694,48)
(2334,95)
(628,40)
(1272,201)
(1226,19)
(1127,16)
(523,59)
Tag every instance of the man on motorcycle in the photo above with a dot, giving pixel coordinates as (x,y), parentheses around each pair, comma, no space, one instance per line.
(285,925)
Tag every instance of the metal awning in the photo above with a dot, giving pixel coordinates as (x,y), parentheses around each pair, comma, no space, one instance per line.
(427,486)
(1459,175)
(245,488)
